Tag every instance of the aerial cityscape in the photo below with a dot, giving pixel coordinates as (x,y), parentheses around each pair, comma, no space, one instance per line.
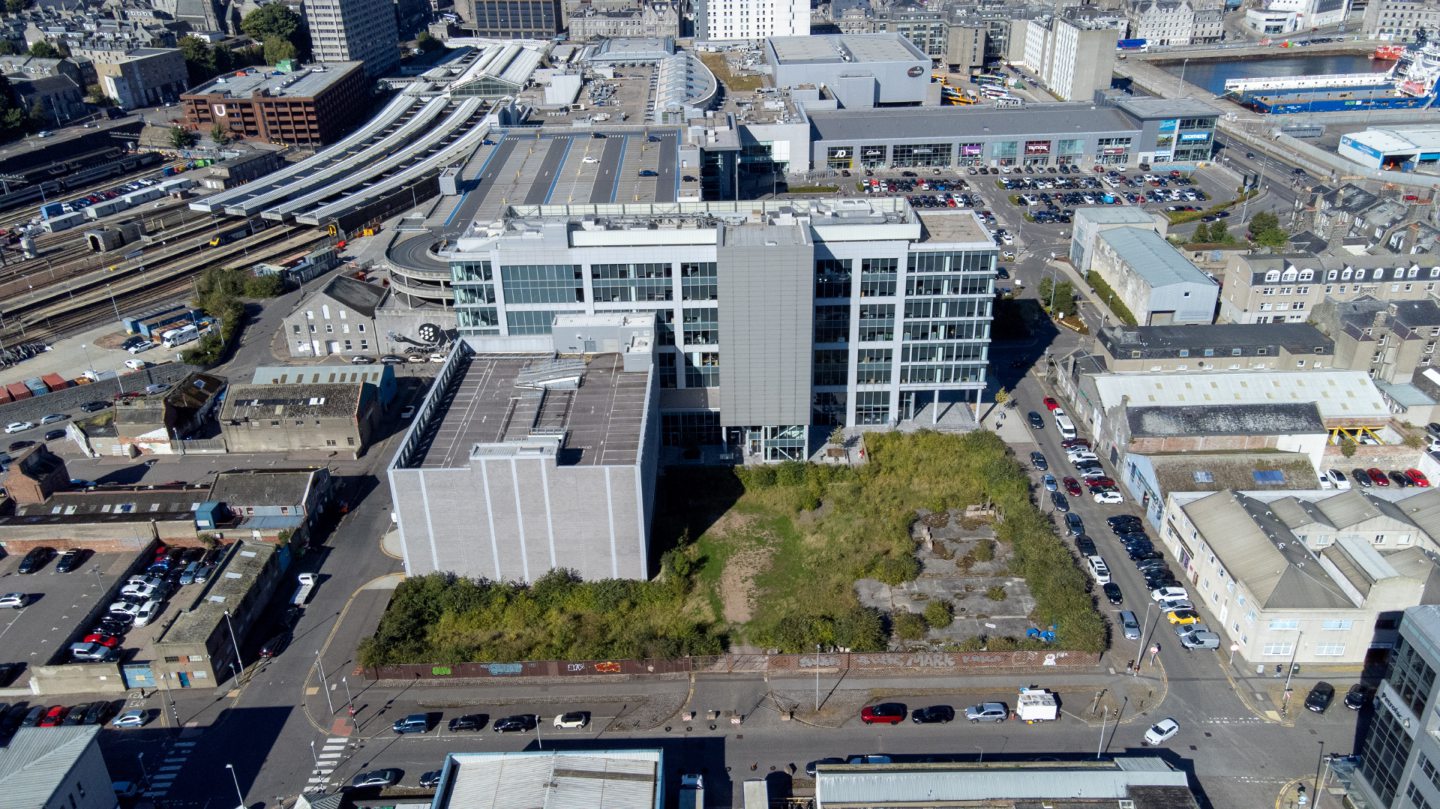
(635,404)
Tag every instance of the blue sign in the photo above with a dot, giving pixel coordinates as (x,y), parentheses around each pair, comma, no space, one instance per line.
(1170,125)
(1195,136)
(1360,147)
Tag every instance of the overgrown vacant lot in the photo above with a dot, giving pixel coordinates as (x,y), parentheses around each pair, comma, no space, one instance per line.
(764,557)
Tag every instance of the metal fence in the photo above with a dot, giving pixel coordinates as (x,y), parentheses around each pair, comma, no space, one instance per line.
(871,663)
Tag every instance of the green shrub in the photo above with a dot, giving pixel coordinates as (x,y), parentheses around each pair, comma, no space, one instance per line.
(896,570)
(908,626)
(996,593)
(1108,296)
(939,614)
(984,551)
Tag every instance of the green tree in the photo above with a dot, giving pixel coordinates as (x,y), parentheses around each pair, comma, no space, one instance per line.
(199,58)
(1220,234)
(277,20)
(1347,446)
(220,134)
(181,138)
(428,43)
(15,6)
(44,50)
(1265,231)
(1062,297)
(1202,234)
(1002,396)
(277,49)
(7,48)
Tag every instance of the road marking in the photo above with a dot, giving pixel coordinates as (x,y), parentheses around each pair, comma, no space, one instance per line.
(324,756)
(184,744)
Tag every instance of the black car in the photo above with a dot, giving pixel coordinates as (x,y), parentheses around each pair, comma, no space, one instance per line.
(111,625)
(94,407)
(518,723)
(275,645)
(1156,581)
(1038,461)
(431,779)
(1035,421)
(1113,594)
(96,713)
(1121,523)
(54,435)
(935,714)
(1358,696)
(16,446)
(1062,503)
(1146,556)
(1085,545)
(70,560)
(1400,480)
(1320,697)
(470,721)
(76,715)
(35,559)
(9,671)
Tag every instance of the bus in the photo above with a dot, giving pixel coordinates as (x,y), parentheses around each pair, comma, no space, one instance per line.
(993,92)
(1009,101)
(989,80)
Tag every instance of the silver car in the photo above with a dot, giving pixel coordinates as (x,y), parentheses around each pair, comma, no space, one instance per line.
(987,712)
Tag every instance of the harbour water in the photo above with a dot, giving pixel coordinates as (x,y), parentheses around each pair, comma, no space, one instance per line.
(1212,73)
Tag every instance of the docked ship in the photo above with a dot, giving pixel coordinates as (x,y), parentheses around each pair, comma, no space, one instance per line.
(1388,53)
(1410,84)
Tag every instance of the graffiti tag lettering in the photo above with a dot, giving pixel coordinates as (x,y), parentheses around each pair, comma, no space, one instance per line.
(504,669)
(607,668)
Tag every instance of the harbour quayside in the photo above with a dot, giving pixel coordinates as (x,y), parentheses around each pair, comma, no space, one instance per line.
(1410,84)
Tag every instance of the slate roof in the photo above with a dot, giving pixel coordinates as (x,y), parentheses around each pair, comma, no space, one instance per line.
(1259,549)
(356,295)
(1243,419)
(38,760)
(1168,341)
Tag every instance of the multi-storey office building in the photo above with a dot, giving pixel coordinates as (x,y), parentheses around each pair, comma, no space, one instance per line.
(1401,746)
(355,31)
(774,317)
(750,20)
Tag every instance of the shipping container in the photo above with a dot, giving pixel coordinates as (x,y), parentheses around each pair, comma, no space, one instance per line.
(51,209)
(106,208)
(36,386)
(177,184)
(142,196)
(55,382)
(5,397)
(18,391)
(80,380)
(55,224)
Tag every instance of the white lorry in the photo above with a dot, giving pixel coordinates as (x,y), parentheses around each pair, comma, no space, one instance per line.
(302,592)
(692,791)
(1036,705)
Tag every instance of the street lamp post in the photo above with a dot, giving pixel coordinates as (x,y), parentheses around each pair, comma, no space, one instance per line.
(1100,746)
(349,701)
(233,641)
(238,794)
(143,775)
(1140,653)
(324,686)
(314,755)
(88,365)
(1319,763)
(817,678)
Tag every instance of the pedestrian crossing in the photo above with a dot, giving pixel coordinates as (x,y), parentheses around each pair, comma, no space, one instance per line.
(327,759)
(162,774)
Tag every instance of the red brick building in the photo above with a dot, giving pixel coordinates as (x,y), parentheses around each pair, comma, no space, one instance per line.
(314,105)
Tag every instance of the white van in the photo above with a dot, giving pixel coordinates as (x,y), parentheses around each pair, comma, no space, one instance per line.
(1064,425)
(1099,569)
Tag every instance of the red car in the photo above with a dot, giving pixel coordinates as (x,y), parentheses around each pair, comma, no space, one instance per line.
(1097,483)
(1072,486)
(1377,477)
(54,715)
(1417,477)
(1051,404)
(1075,442)
(886,713)
(108,641)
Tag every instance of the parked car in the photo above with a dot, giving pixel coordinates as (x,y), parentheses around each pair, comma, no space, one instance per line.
(1197,636)
(519,723)
(14,601)
(1074,526)
(812,766)
(1377,477)
(1357,697)
(1036,422)
(1038,461)
(573,720)
(1183,617)
(35,559)
(1320,697)
(1049,482)
(276,644)
(52,717)
(94,407)
(470,721)
(18,427)
(431,779)
(414,723)
(935,714)
(1113,594)
(1161,732)
(885,713)
(53,418)
(1417,478)
(987,712)
(1129,625)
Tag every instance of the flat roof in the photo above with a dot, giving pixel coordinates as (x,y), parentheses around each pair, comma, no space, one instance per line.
(1116,215)
(305,82)
(225,589)
(1243,419)
(1222,338)
(1400,138)
(842,49)
(296,401)
(951,226)
(1338,394)
(949,123)
(1147,108)
(963,783)
(1151,257)
(488,402)
(552,779)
